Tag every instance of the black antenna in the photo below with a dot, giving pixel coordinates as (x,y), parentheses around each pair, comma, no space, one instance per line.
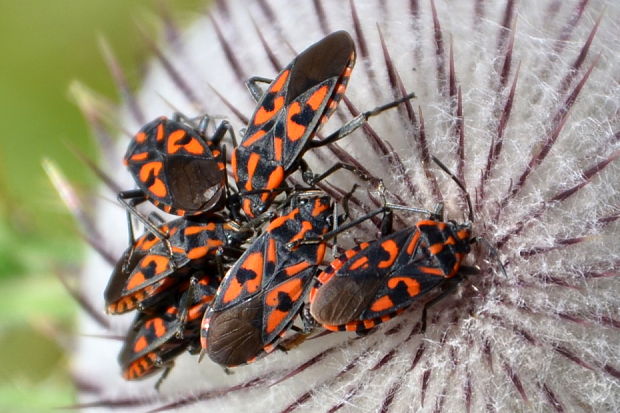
(494,251)
(459,183)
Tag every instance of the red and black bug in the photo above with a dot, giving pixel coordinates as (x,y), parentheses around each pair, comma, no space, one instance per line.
(154,340)
(376,280)
(263,292)
(176,167)
(288,115)
(149,268)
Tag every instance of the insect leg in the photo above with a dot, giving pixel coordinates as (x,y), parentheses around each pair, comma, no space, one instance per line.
(312,179)
(129,199)
(256,92)
(220,132)
(357,122)
(451,285)
(164,374)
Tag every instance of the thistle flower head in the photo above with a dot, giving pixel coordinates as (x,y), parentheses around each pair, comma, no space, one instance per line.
(519,99)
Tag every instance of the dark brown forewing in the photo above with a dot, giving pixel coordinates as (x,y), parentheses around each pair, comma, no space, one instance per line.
(325,59)
(343,299)
(196,184)
(234,335)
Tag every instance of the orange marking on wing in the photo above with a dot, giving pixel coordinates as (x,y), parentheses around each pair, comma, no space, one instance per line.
(432,271)
(277,149)
(161,262)
(276,177)
(252,139)
(319,207)
(142,156)
(199,252)
(368,324)
(413,243)
(173,138)
(281,220)
(147,244)
(413,286)
(254,263)
(294,130)
(274,319)
(340,89)
(391,248)
(252,164)
(456,266)
(247,207)
(450,241)
(435,248)
(136,280)
(269,348)
(140,137)
(317,98)
(296,268)
(305,227)
(320,252)
(198,311)
(312,294)
(293,290)
(278,84)
(140,344)
(197,229)
(325,276)
(271,251)
(158,326)
(160,132)
(158,188)
(330,327)
(148,169)
(382,304)
(233,165)
(360,262)
(263,115)
(193,146)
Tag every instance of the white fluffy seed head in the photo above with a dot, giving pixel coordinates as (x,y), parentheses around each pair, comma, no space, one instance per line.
(542,338)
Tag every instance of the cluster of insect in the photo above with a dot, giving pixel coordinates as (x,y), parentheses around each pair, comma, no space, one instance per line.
(240,272)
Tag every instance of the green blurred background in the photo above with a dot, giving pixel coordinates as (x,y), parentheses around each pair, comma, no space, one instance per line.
(44,46)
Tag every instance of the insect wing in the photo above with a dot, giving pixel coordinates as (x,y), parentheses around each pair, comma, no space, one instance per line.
(245,278)
(174,167)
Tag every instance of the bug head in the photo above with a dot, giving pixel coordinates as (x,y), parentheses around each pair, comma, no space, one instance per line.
(253,204)
(314,206)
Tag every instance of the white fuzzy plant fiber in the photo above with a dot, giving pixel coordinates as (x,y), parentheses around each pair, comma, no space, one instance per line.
(544,337)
